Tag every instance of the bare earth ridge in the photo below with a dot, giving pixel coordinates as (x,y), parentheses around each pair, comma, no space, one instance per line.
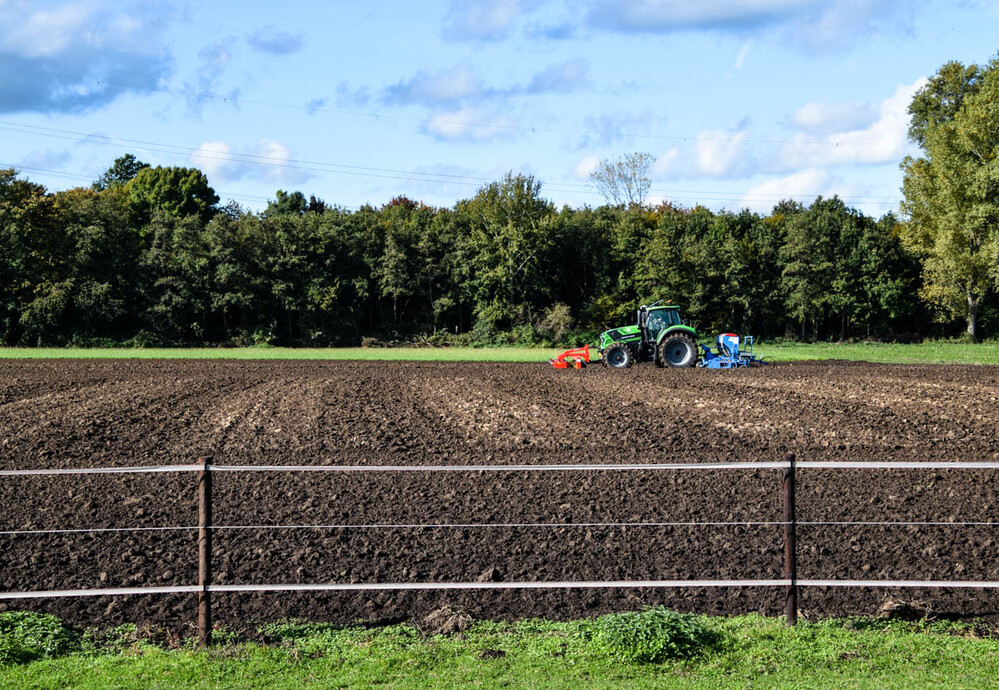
(86,413)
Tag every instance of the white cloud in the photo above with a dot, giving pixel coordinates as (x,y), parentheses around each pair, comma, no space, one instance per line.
(213,159)
(71,56)
(586,166)
(720,153)
(810,24)
(448,86)
(267,161)
(740,59)
(460,84)
(560,78)
(469,124)
(485,20)
(666,163)
(828,118)
(613,129)
(882,141)
(803,185)
(271,40)
(671,15)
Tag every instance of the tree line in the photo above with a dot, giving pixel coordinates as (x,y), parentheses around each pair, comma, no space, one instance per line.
(148,256)
(154,260)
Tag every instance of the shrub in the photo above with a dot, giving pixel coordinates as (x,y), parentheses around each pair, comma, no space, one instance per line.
(556,323)
(27,636)
(654,635)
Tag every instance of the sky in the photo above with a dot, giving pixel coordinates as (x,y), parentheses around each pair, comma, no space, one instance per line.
(742,103)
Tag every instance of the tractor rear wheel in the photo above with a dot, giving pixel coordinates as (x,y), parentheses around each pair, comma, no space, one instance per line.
(618,356)
(678,351)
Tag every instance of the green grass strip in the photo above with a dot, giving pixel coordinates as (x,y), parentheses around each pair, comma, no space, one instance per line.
(753,652)
(938,352)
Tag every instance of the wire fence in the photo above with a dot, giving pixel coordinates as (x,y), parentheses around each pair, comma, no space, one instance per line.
(205,528)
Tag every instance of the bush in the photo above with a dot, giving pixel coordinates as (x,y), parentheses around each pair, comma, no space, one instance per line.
(654,635)
(27,636)
(555,324)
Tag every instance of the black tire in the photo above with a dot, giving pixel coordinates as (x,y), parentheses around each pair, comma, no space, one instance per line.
(678,351)
(618,356)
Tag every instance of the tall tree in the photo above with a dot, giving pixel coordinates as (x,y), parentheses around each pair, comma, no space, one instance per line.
(122,171)
(951,193)
(624,180)
(507,244)
(174,192)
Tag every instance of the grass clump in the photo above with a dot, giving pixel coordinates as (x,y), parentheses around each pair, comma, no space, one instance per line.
(26,636)
(654,635)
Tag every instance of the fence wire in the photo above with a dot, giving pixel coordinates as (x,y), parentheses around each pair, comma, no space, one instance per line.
(430,586)
(748,465)
(511,525)
(398,586)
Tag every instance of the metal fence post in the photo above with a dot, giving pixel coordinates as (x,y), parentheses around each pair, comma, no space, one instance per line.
(204,554)
(790,544)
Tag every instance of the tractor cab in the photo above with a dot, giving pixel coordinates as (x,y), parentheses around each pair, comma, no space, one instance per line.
(656,319)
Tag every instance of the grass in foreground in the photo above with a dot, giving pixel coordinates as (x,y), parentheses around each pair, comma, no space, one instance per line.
(748,651)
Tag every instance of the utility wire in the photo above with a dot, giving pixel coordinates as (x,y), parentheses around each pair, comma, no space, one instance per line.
(236,100)
(384,173)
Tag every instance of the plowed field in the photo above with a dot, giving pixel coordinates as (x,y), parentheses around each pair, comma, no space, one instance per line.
(60,414)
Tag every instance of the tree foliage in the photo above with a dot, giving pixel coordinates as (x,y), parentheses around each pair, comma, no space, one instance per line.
(174,192)
(624,180)
(951,204)
(122,171)
(156,261)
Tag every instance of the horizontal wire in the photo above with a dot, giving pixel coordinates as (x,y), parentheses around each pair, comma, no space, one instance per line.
(312,109)
(151,469)
(97,530)
(386,173)
(516,525)
(571,584)
(749,465)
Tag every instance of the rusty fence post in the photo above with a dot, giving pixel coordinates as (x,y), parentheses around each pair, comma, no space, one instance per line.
(790,544)
(204,555)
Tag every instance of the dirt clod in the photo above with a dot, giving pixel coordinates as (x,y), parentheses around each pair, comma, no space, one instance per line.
(446,621)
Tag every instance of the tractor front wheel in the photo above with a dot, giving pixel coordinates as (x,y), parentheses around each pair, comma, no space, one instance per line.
(618,356)
(678,351)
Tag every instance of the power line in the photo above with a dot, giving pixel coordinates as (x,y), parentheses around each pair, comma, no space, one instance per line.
(412,176)
(533,129)
(362,171)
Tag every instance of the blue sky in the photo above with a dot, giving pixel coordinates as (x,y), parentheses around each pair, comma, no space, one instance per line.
(742,102)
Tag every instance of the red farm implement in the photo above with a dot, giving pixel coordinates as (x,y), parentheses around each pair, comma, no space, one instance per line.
(577,358)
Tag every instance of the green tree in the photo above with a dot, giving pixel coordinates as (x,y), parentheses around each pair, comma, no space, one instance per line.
(122,171)
(507,244)
(174,192)
(292,203)
(951,193)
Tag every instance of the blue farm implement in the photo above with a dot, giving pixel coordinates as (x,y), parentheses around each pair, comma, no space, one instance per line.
(729,355)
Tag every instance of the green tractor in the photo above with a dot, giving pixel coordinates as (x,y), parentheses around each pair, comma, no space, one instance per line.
(659,336)
(662,337)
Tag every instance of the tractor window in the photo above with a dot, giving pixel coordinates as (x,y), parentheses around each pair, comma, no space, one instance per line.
(655,323)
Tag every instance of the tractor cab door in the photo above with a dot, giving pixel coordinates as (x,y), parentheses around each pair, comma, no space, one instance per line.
(655,323)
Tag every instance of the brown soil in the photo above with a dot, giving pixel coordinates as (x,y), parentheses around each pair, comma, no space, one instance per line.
(118,413)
